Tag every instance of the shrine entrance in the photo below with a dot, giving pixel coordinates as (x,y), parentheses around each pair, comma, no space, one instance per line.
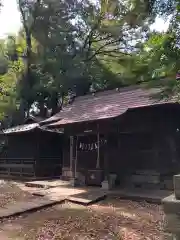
(87,158)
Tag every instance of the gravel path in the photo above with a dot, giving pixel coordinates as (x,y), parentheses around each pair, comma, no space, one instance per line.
(111,219)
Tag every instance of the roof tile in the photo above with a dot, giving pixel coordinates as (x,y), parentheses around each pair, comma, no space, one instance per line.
(105,104)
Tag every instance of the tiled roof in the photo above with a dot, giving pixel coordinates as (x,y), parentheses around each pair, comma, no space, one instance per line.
(105,104)
(21,128)
(28,128)
(54,130)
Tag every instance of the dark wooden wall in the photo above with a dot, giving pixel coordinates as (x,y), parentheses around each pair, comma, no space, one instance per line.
(32,154)
(147,139)
(17,157)
(142,138)
(19,146)
(49,158)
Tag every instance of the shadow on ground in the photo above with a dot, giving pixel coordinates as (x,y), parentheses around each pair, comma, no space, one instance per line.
(110,219)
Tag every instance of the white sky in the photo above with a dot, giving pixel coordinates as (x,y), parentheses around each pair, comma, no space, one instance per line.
(10,19)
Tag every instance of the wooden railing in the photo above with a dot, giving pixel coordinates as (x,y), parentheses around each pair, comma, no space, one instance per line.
(28,167)
(24,167)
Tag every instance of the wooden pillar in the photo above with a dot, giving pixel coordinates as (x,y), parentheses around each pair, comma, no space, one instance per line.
(106,161)
(106,183)
(173,152)
(73,159)
(76,156)
(72,167)
(98,149)
(37,157)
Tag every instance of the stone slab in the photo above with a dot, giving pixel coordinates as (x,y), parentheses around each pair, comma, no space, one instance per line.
(176,181)
(139,194)
(171,205)
(47,184)
(79,195)
(58,192)
(172,223)
(22,207)
(87,198)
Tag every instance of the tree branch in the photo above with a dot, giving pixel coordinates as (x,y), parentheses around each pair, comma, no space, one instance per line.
(89,36)
(103,39)
(100,48)
(114,51)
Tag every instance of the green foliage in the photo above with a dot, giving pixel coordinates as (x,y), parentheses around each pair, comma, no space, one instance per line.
(77,43)
(76,40)
(8,94)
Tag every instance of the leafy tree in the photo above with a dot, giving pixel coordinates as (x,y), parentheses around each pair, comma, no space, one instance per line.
(158,61)
(75,38)
(28,10)
(74,44)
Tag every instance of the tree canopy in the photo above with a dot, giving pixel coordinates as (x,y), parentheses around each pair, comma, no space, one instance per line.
(80,45)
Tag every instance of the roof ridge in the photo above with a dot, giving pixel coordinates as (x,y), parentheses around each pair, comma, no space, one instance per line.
(105,93)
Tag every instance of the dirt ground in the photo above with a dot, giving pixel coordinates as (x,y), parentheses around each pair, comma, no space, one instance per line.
(111,219)
(10,192)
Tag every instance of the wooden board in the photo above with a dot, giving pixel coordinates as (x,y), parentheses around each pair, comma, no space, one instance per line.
(87,198)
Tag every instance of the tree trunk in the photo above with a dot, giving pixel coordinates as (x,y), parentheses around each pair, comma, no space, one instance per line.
(28,67)
(43,110)
(56,107)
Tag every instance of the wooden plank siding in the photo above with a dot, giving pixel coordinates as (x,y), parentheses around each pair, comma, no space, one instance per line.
(33,154)
(143,138)
(17,167)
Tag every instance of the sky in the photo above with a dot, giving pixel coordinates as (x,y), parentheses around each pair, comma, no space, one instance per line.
(10,21)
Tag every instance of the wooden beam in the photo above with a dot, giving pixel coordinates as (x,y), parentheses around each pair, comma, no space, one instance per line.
(106,161)
(17,166)
(98,150)
(71,156)
(37,152)
(76,157)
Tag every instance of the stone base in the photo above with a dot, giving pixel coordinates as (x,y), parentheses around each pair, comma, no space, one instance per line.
(176,237)
(73,182)
(177,186)
(172,223)
(66,173)
(81,179)
(170,237)
(105,185)
(171,207)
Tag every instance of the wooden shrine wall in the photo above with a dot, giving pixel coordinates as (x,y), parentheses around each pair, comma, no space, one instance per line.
(141,138)
(50,157)
(147,140)
(17,157)
(19,146)
(32,154)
